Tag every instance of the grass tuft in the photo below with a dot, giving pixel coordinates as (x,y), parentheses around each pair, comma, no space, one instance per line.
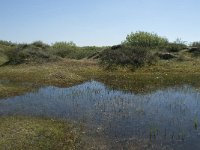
(37,134)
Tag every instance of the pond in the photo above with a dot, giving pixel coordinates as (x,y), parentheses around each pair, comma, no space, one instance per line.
(168,117)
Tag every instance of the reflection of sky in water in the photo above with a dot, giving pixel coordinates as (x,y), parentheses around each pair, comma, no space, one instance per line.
(168,113)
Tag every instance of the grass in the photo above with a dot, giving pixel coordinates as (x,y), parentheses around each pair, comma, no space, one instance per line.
(35,134)
(61,73)
(161,75)
(22,133)
(8,90)
(71,72)
(40,133)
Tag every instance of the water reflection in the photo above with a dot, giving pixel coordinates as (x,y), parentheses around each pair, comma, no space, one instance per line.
(165,116)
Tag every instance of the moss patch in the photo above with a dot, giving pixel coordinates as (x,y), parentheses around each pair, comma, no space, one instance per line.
(37,134)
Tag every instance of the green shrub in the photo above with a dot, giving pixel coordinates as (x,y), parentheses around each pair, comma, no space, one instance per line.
(24,53)
(3,58)
(126,56)
(40,44)
(194,49)
(41,52)
(196,44)
(145,39)
(6,43)
(175,47)
(70,50)
(63,49)
(86,52)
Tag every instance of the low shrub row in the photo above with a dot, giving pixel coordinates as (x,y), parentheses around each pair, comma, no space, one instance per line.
(124,55)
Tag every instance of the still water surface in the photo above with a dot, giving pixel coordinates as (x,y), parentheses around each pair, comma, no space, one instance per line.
(168,117)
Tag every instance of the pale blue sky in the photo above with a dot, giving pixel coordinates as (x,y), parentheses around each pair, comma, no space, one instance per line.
(97,22)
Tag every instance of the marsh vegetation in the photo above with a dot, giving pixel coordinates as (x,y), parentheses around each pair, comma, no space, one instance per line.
(140,94)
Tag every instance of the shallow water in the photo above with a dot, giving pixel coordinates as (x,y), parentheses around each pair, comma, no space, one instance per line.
(166,117)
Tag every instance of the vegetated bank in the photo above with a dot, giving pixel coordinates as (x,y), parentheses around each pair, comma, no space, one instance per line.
(141,63)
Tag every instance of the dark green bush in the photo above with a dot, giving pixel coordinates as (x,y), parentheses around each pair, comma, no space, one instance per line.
(29,53)
(196,44)
(41,52)
(195,49)
(175,47)
(126,56)
(6,43)
(40,44)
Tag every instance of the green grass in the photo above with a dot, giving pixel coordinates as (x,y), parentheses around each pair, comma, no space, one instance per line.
(24,133)
(67,73)
(8,90)
(63,73)
(33,133)
(163,74)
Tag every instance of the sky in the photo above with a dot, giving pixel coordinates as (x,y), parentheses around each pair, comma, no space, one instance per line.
(97,22)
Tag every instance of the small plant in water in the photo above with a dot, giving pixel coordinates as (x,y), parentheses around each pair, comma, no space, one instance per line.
(181,135)
(153,133)
(196,122)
